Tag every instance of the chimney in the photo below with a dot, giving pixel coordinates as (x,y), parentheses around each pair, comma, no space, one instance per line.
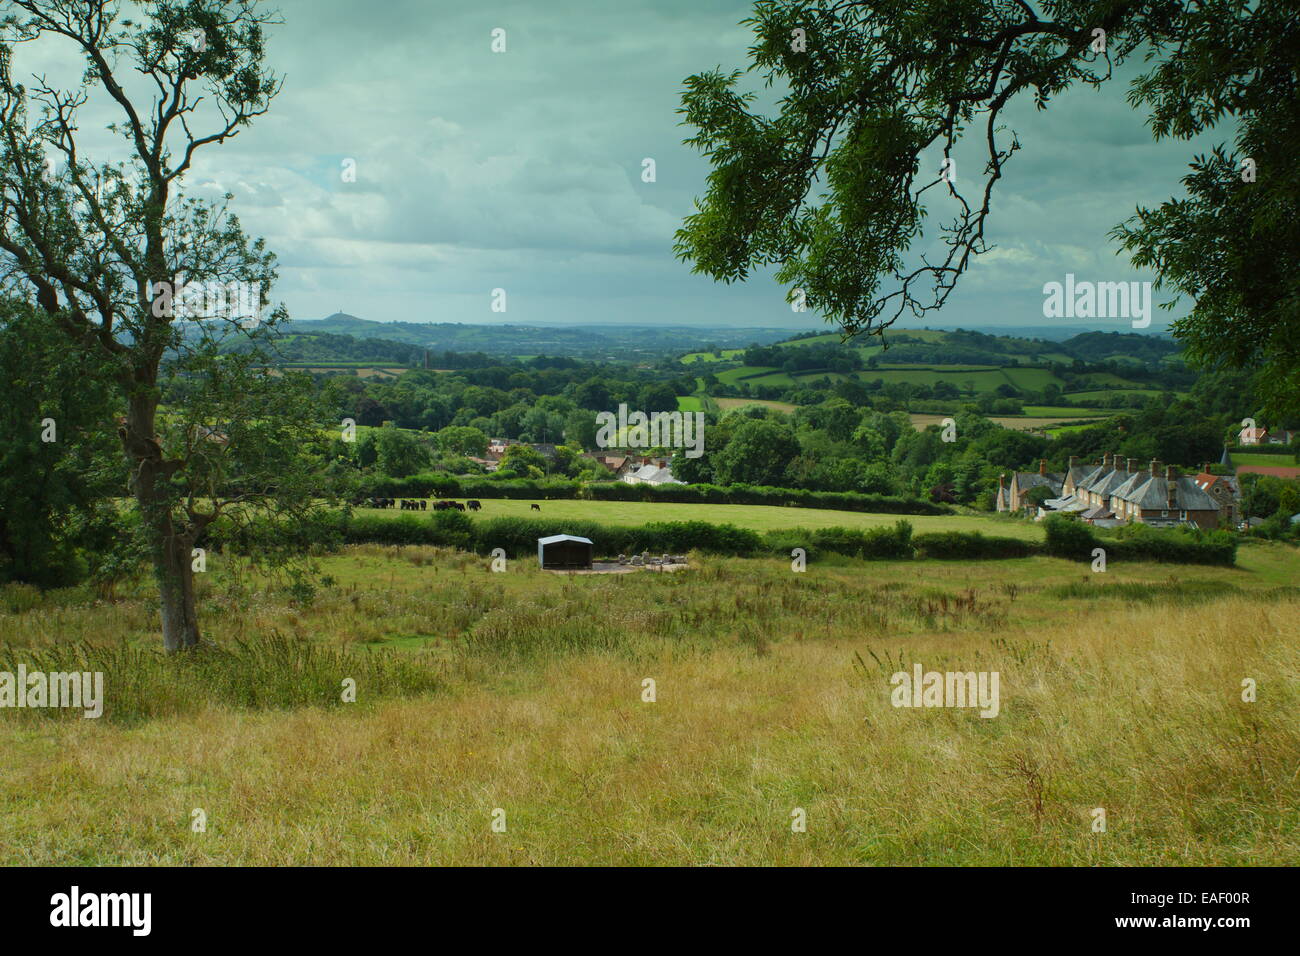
(1106,460)
(1171,476)
(1132,466)
(1155,468)
(1074,462)
(1002,481)
(1042,466)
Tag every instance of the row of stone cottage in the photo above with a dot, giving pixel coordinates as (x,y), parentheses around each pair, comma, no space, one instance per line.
(1116,490)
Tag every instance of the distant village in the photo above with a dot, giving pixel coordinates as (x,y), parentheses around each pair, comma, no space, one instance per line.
(1115,491)
(633,469)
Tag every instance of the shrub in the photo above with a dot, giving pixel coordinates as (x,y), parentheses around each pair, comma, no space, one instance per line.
(873,543)
(1069,538)
(971,546)
(1180,545)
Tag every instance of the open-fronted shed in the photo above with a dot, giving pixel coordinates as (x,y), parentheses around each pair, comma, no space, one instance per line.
(564,551)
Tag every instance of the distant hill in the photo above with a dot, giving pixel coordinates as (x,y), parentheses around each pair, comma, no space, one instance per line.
(586,341)
(1104,346)
(979,347)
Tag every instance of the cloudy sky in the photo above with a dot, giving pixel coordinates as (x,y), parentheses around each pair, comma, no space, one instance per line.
(522,170)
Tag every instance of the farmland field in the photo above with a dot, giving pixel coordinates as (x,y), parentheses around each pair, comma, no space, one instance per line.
(710,356)
(1096,395)
(727,403)
(757,517)
(1062,412)
(689,403)
(1022,423)
(1279,461)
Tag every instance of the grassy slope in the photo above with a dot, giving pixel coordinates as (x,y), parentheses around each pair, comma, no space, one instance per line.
(1130,703)
(1279,461)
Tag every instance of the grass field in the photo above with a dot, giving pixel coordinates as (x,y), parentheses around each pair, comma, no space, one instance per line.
(1102,394)
(689,403)
(772,693)
(1023,423)
(757,517)
(710,356)
(1279,461)
(726,403)
(1061,412)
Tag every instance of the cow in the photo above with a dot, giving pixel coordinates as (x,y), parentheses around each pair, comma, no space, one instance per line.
(424,505)
(473,505)
(458,506)
(536,507)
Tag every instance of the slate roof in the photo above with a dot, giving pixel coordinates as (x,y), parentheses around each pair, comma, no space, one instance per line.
(1108,483)
(1032,479)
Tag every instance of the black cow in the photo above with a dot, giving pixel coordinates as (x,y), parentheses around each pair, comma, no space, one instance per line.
(536,507)
(424,505)
(473,505)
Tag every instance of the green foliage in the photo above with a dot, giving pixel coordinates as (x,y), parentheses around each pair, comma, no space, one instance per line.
(894,543)
(1069,538)
(758,453)
(972,546)
(48,489)
(461,440)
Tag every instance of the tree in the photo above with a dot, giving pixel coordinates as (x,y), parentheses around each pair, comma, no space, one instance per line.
(398,453)
(54,463)
(114,252)
(831,188)
(757,453)
(657,397)
(523,460)
(465,441)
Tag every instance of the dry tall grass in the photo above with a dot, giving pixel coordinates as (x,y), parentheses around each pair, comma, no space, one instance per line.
(772,694)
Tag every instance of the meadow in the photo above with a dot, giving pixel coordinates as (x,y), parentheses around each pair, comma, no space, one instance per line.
(1267,461)
(757,517)
(522,692)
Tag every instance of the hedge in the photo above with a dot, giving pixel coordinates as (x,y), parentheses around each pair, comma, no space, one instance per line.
(1284,450)
(971,546)
(517,536)
(441,485)
(1069,538)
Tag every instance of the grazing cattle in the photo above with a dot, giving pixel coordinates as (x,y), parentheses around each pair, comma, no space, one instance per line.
(473,505)
(458,506)
(536,507)
(424,505)
(443,505)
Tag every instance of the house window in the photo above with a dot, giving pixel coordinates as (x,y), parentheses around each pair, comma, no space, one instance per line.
(1164,514)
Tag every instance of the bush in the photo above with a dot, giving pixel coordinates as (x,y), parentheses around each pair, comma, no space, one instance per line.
(1175,546)
(1069,538)
(873,543)
(971,546)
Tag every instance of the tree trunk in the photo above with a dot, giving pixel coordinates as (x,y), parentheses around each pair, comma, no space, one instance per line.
(175,577)
(169,547)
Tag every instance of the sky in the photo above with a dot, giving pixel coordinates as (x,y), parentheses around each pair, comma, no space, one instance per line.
(521,170)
